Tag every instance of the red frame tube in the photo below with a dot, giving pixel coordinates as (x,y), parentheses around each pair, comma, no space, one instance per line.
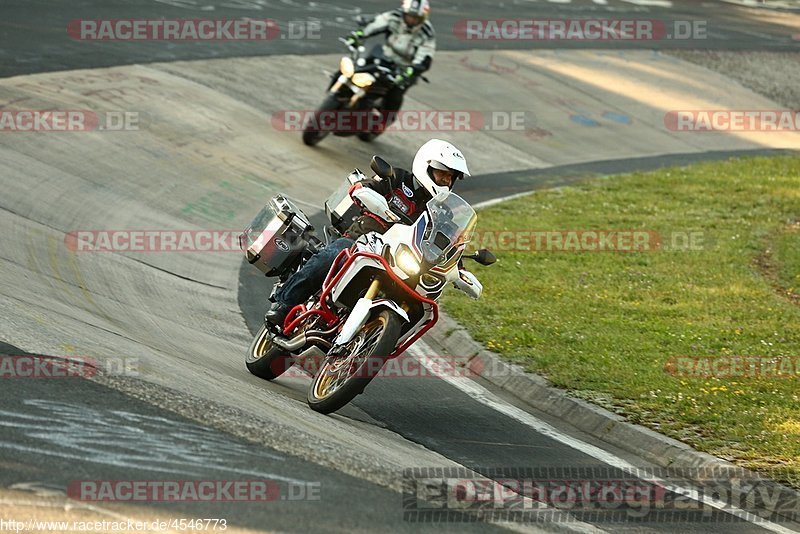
(299,314)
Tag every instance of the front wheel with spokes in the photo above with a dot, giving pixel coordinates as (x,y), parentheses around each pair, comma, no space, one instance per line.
(344,376)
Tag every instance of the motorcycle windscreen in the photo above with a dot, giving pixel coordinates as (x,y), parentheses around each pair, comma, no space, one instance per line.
(452,223)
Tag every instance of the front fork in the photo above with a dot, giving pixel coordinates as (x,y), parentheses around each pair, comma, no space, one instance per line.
(358,93)
(374,287)
(359,315)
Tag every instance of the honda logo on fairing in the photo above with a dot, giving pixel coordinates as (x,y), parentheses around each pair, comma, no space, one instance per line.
(281,244)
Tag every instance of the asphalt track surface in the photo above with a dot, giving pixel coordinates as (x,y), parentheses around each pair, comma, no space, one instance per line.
(35,39)
(62,430)
(49,436)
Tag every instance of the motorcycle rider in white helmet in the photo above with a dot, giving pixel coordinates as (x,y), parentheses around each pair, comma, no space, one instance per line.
(436,167)
(410,43)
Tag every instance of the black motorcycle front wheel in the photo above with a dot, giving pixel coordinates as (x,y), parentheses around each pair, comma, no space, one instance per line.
(311,133)
(342,378)
(368,137)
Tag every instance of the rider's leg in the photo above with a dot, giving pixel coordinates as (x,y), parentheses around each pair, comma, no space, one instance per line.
(305,282)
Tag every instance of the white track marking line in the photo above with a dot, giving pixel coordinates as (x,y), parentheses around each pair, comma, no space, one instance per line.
(771,4)
(485,397)
(487,203)
(654,3)
(67,504)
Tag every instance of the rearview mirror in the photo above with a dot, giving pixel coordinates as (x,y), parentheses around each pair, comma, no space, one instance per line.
(381,167)
(484,257)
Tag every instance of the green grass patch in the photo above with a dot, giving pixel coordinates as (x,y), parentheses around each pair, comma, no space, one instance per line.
(786,261)
(606,325)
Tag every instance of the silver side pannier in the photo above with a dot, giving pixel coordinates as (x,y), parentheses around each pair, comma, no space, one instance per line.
(277,237)
(340,208)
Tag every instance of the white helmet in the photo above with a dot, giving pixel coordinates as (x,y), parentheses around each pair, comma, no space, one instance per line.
(438,154)
(416,11)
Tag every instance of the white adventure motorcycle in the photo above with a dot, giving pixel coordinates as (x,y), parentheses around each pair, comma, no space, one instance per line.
(379,297)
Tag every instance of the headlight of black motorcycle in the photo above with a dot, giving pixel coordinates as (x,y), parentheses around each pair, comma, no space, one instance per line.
(347,67)
(363,79)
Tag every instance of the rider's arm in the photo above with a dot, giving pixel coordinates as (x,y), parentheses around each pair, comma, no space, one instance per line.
(381,186)
(380,24)
(372,202)
(385,186)
(424,55)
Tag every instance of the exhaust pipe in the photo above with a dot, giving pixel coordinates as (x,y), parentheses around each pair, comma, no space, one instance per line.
(290,345)
(293,344)
(313,336)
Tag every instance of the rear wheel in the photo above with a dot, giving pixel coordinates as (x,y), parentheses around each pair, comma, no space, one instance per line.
(311,135)
(341,379)
(265,359)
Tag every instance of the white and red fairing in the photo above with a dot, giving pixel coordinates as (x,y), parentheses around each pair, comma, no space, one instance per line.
(375,252)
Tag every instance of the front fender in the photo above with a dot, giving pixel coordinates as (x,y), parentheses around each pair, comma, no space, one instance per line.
(340,91)
(361,312)
(344,90)
(392,305)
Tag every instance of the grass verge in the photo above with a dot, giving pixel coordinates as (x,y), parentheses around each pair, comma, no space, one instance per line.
(695,335)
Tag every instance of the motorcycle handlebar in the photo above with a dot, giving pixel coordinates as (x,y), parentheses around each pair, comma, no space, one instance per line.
(396,70)
(347,44)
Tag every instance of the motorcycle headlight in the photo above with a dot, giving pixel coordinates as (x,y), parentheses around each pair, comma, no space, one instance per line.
(363,79)
(407,261)
(347,67)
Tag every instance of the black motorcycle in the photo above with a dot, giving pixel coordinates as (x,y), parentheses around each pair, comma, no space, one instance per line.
(355,97)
